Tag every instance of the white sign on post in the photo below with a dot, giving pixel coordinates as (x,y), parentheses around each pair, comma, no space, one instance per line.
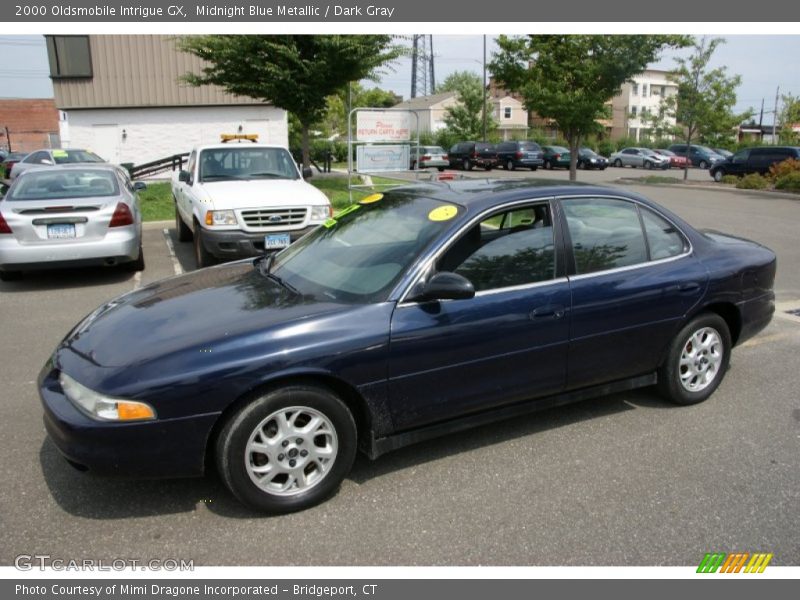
(383,126)
(376,159)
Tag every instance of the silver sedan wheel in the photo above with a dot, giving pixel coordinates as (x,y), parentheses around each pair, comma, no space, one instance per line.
(701,359)
(290,451)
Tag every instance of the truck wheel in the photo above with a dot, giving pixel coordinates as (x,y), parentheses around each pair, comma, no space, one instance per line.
(184,233)
(202,257)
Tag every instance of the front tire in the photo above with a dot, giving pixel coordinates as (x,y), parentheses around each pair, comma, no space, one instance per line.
(288,449)
(718,175)
(202,257)
(184,232)
(697,360)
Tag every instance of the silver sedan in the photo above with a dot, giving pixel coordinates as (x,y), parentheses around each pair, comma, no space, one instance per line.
(639,157)
(67,216)
(49,157)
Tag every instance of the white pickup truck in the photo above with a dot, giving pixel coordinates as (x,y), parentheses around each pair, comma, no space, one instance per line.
(241,199)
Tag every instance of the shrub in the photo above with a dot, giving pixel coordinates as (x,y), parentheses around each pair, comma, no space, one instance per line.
(789,182)
(606,148)
(781,169)
(754,181)
(730,179)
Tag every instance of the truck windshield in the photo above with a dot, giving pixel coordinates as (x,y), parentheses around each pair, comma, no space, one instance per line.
(217,164)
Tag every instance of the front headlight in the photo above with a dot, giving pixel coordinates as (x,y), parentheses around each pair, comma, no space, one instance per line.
(321,213)
(102,407)
(220,217)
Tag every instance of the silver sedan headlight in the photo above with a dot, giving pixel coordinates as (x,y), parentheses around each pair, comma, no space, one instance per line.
(104,408)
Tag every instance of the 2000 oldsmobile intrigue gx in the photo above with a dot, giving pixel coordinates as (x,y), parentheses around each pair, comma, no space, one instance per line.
(431,309)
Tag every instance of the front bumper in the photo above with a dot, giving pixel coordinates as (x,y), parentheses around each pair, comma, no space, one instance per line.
(117,247)
(159,448)
(229,245)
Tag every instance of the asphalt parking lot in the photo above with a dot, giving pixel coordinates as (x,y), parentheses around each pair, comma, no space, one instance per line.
(622,480)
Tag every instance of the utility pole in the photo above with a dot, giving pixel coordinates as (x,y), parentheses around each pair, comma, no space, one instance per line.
(433,79)
(414,60)
(775,117)
(484,87)
(422,82)
(761,116)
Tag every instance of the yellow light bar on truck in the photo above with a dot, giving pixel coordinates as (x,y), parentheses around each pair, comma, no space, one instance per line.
(230,137)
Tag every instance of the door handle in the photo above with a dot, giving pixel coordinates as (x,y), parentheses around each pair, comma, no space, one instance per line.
(689,286)
(551,311)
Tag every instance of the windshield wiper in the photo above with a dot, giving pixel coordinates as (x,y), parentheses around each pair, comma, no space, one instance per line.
(265,264)
(267,174)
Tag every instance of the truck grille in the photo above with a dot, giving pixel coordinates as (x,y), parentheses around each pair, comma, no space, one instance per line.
(274,218)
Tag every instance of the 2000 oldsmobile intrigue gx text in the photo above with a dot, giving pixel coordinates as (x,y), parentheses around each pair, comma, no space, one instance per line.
(431,309)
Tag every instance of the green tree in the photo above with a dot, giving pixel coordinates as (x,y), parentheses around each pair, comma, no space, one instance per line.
(465,119)
(293,72)
(336,113)
(570,78)
(789,119)
(704,103)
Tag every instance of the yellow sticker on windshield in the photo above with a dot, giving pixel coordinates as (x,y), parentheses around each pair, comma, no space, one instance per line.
(443,213)
(60,153)
(371,198)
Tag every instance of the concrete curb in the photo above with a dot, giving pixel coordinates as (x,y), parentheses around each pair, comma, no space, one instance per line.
(711,188)
(158,224)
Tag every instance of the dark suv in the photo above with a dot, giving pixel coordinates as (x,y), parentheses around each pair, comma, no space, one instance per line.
(513,155)
(465,155)
(753,160)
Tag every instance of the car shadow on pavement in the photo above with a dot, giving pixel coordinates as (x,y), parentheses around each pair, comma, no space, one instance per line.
(37,281)
(104,498)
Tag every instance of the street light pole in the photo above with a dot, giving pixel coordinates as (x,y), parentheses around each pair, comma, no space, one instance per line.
(484,87)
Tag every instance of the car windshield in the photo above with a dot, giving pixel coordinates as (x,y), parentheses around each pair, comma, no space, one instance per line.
(243,162)
(359,255)
(44,184)
(63,157)
(587,152)
(433,150)
(559,149)
(705,150)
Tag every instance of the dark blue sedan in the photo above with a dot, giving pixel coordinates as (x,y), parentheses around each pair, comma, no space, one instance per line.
(430,309)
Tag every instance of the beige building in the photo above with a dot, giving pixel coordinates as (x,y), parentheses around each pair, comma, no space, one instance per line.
(641,96)
(510,115)
(121,96)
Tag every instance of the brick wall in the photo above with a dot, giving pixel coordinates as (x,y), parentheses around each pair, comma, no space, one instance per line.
(30,123)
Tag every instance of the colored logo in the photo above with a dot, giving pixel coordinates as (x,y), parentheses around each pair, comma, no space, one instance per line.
(734,563)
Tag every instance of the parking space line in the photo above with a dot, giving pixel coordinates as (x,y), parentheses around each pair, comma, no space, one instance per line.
(175,264)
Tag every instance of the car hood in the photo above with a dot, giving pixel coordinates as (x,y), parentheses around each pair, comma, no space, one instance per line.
(203,314)
(260,193)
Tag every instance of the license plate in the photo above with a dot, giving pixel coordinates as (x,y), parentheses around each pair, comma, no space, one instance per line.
(276,241)
(60,231)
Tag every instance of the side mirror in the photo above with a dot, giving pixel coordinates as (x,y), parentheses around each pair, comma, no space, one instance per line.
(307,173)
(139,186)
(183,176)
(446,286)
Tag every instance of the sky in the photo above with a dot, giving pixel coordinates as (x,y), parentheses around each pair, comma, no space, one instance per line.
(761,60)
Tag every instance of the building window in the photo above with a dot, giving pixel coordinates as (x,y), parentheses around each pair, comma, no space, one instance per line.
(633,111)
(663,90)
(507,112)
(644,90)
(635,89)
(69,56)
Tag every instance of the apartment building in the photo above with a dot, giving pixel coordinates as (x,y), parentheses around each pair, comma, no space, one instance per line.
(641,96)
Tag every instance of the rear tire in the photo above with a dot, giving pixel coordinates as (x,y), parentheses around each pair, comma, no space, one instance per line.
(548,165)
(618,163)
(441,169)
(510,165)
(702,165)
(467,164)
(184,232)
(287,449)
(10,275)
(136,265)
(697,360)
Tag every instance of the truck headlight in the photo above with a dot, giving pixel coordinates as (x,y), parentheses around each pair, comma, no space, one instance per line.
(104,408)
(220,217)
(321,213)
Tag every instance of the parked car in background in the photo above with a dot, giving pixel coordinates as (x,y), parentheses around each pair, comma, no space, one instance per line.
(639,157)
(753,160)
(555,157)
(722,152)
(699,156)
(51,157)
(675,161)
(466,155)
(519,154)
(426,311)
(8,163)
(70,216)
(429,156)
(236,200)
(589,159)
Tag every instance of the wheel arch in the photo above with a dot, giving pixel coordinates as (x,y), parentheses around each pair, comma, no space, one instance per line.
(348,394)
(730,314)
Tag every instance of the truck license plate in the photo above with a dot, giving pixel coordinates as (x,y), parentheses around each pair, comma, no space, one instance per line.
(276,241)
